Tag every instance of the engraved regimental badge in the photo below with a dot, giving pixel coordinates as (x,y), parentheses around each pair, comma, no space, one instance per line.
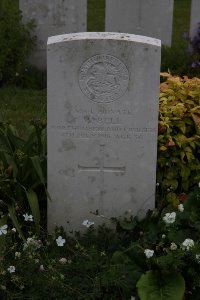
(103,78)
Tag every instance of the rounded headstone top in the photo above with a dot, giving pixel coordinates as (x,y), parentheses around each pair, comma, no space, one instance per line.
(103,36)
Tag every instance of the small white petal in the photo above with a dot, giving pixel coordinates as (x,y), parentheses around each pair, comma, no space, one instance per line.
(11,269)
(149,253)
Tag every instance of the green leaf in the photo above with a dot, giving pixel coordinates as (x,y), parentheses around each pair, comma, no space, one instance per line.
(185,172)
(34,205)
(13,137)
(182,126)
(11,162)
(36,164)
(172,198)
(13,217)
(155,286)
(4,143)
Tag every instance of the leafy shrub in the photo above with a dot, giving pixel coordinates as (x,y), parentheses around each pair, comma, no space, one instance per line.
(23,170)
(16,43)
(179,135)
(157,256)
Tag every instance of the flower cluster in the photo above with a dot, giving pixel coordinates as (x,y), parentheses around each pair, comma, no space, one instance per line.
(11,269)
(187,244)
(149,253)
(32,243)
(169,218)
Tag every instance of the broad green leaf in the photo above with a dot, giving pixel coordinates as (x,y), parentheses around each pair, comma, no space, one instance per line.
(13,137)
(190,156)
(185,172)
(34,205)
(11,162)
(28,145)
(155,286)
(4,143)
(36,164)
(182,126)
(13,217)
(196,119)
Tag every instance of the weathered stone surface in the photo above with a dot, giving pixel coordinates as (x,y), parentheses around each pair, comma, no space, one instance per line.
(102,126)
(195,17)
(52,18)
(152,18)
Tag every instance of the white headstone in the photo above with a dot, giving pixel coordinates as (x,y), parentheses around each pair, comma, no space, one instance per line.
(102,126)
(194,17)
(144,17)
(52,17)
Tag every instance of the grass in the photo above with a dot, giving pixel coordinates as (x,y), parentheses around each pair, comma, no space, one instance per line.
(20,106)
(181,21)
(96,13)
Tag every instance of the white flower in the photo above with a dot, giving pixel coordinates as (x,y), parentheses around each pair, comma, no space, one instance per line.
(163,236)
(87,223)
(187,244)
(63,260)
(169,218)
(31,242)
(3,229)
(14,229)
(28,217)
(181,207)
(173,246)
(149,253)
(60,241)
(157,183)
(11,269)
(132,298)
(41,268)
(17,254)
(199,184)
(198,258)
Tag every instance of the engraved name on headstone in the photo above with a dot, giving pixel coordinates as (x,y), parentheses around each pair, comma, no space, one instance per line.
(144,17)
(52,18)
(102,126)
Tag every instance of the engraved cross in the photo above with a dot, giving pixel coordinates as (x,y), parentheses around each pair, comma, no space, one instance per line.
(101,168)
